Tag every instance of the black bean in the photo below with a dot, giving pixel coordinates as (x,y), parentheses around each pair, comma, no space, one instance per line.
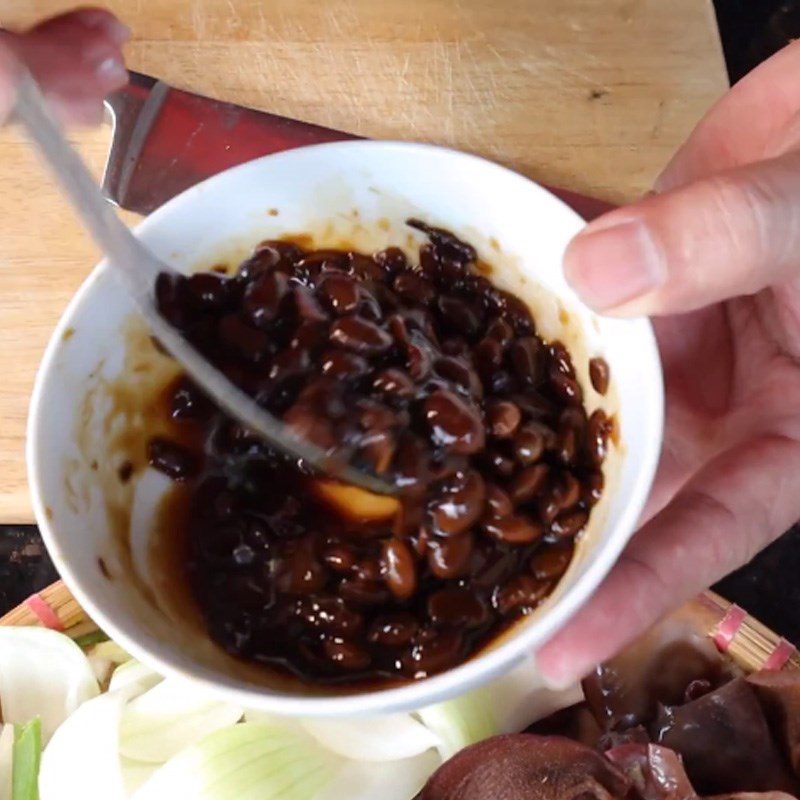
(518,314)
(488,357)
(565,388)
(526,357)
(414,288)
(574,417)
(393,382)
(593,488)
(454,423)
(567,446)
(264,259)
(522,591)
(445,242)
(368,306)
(456,607)
(393,630)
(208,291)
(460,506)
(340,293)
(560,358)
(331,615)
(363,593)
(172,459)
(530,443)
(513,529)
(498,503)
(393,260)
(463,378)
(458,316)
(550,563)
(598,431)
(299,572)
(455,346)
(502,418)
(449,558)
(368,570)
(432,656)
(263,297)
(250,343)
(500,330)
(501,464)
(599,374)
(346,655)
(341,364)
(528,483)
(400,572)
(307,306)
(567,490)
(339,558)
(411,461)
(569,523)
(364,267)
(360,335)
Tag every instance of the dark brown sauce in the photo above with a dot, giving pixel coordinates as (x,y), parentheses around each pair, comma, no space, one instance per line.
(430,376)
(101,565)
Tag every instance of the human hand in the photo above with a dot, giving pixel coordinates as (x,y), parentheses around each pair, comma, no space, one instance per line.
(714,257)
(76,57)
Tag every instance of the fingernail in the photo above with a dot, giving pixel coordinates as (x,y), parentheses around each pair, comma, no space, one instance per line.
(118,32)
(99,19)
(110,71)
(557,683)
(555,676)
(611,264)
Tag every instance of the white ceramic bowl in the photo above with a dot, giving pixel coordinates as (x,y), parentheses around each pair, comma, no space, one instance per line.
(98,371)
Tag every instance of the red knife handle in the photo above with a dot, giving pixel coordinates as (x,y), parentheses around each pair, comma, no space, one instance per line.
(166,140)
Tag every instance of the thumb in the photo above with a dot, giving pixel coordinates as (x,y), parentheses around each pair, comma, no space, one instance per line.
(732,234)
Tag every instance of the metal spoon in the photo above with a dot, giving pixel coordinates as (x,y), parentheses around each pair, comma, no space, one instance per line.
(138,269)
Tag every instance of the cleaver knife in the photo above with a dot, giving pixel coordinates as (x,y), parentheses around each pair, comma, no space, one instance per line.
(165,140)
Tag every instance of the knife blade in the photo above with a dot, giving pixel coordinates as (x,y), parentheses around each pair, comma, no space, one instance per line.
(165,140)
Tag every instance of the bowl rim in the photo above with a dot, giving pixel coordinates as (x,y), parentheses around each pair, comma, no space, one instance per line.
(470,674)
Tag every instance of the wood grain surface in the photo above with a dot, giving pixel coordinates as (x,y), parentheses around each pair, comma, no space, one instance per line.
(588,94)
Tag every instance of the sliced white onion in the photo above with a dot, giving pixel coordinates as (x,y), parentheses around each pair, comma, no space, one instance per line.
(250,761)
(135,675)
(520,698)
(82,759)
(42,674)
(6,757)
(461,721)
(388,780)
(385,738)
(136,774)
(171,716)
(507,705)
(110,651)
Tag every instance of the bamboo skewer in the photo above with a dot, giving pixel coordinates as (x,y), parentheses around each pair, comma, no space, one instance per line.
(53,607)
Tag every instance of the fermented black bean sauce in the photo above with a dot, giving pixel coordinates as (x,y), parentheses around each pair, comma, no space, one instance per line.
(431,377)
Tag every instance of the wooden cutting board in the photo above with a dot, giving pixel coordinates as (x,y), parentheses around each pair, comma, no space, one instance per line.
(592,95)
